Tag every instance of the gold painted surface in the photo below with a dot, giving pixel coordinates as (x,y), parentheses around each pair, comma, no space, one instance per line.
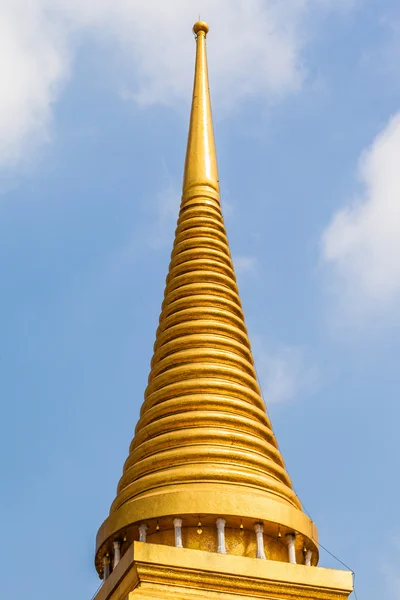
(240,506)
(239,542)
(201,160)
(204,444)
(122,580)
(156,571)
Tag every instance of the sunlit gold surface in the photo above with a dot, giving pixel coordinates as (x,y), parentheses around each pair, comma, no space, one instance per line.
(204,446)
(240,506)
(155,571)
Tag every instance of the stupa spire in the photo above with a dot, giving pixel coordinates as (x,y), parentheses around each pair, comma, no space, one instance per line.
(203,418)
(204,452)
(201,160)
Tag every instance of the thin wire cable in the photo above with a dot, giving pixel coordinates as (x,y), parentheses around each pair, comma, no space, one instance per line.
(344,565)
(304,508)
(95,594)
(336,558)
(354,586)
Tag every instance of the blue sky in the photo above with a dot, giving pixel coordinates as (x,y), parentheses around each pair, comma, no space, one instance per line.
(93,122)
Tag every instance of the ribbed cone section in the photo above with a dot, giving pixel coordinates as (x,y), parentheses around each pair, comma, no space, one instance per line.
(203,417)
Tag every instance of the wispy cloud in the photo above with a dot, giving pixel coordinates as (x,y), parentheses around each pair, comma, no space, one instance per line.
(245,264)
(390,571)
(166,210)
(361,245)
(284,372)
(256,48)
(392,578)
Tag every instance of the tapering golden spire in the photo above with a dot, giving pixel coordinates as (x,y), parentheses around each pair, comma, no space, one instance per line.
(201,159)
(204,446)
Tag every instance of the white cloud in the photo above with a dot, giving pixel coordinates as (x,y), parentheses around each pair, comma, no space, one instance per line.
(256,47)
(33,63)
(284,373)
(362,243)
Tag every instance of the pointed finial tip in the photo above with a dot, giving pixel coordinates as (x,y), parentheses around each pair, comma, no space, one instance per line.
(200,26)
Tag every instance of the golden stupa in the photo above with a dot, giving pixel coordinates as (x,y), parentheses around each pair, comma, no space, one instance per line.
(205,507)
